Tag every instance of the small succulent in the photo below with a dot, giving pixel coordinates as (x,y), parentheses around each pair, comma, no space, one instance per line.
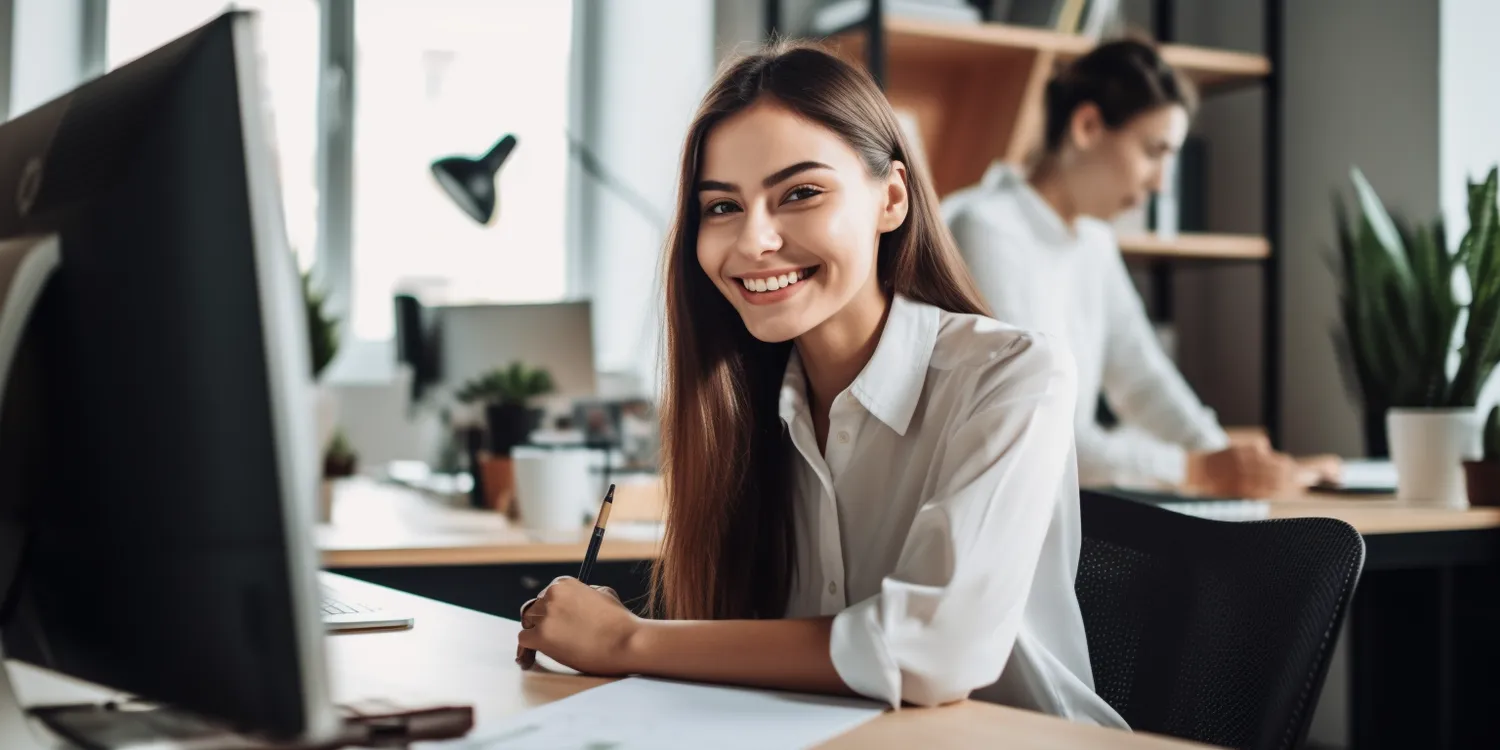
(517,384)
(339,459)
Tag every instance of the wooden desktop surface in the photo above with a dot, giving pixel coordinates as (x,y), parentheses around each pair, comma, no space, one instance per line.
(455,655)
(379,525)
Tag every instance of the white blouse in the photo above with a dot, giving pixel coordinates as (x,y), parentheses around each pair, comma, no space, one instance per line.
(941,528)
(1038,273)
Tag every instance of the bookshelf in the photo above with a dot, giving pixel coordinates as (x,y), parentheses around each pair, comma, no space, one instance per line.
(975,93)
(1199,246)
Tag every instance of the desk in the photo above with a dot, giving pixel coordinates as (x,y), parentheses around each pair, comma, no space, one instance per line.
(1422,648)
(1422,639)
(413,541)
(469,657)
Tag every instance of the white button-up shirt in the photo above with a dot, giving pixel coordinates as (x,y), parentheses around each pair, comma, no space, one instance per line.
(941,527)
(1038,273)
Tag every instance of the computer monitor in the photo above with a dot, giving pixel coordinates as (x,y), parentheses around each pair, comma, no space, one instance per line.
(162,408)
(558,336)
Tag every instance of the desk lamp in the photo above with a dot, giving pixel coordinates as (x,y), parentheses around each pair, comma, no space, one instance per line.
(470,182)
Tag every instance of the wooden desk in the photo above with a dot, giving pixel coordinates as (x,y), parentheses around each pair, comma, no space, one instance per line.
(378,525)
(1382,514)
(1422,644)
(383,525)
(456,655)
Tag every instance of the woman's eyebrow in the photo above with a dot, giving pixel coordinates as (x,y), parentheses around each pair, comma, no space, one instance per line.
(775,177)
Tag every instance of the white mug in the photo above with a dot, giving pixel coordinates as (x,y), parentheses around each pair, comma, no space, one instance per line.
(553,486)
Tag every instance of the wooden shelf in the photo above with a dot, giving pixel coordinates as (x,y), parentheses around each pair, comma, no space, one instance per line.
(975,90)
(1200,246)
(911,39)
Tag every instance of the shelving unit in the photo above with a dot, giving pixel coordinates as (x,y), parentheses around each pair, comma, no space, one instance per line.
(975,92)
(1193,246)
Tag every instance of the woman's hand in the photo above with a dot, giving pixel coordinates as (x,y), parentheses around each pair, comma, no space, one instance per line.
(582,627)
(1319,469)
(1249,469)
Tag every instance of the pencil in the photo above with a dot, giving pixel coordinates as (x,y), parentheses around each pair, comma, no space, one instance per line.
(593,553)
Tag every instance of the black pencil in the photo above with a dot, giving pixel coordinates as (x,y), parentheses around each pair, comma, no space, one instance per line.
(593,553)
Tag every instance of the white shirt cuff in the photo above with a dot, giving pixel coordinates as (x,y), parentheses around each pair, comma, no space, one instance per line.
(1170,465)
(859,653)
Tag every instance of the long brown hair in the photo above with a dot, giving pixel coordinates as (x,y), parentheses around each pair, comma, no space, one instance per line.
(728,550)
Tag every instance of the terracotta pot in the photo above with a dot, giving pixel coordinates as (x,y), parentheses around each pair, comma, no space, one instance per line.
(499,482)
(1484,482)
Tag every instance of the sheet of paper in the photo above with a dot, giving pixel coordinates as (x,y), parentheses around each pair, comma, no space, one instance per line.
(1367,474)
(640,714)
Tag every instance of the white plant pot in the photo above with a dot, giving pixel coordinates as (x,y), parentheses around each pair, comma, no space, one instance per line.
(326,489)
(1428,448)
(328,418)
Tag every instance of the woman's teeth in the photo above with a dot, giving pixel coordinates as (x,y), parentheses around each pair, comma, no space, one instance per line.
(773,283)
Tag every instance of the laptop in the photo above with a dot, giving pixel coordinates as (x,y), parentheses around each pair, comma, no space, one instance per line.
(345,610)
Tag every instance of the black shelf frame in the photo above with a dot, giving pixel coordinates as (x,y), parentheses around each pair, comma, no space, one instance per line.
(1161,269)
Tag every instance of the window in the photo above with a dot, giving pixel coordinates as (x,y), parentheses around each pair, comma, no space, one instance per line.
(289,62)
(430,79)
(452,77)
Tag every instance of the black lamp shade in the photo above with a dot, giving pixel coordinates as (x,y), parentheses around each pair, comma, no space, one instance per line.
(470,182)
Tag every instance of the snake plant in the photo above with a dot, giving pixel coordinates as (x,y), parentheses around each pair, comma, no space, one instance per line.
(1403,314)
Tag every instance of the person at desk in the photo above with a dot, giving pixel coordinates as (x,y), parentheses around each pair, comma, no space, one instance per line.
(870,486)
(1044,258)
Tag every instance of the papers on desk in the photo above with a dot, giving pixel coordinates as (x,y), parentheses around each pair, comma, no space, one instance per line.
(1364,475)
(1222,510)
(638,713)
(1212,508)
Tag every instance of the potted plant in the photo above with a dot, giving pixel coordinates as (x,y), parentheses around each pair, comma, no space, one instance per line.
(506,395)
(339,461)
(1484,475)
(1402,312)
(323,342)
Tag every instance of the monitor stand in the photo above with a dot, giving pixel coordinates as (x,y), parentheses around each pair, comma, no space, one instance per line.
(26,264)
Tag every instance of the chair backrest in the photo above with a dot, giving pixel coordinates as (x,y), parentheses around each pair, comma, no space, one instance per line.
(1213,631)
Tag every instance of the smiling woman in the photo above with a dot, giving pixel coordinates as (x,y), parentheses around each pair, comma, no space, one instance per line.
(870,485)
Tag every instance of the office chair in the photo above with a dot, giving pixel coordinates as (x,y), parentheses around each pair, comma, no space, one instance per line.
(1213,631)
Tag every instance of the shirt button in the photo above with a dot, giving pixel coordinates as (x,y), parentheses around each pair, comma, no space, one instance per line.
(843,436)
(833,588)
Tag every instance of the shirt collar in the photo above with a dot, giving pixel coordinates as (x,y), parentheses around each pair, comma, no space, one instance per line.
(890,385)
(1044,219)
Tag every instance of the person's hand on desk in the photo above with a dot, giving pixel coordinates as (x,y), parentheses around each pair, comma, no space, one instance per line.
(1320,469)
(1244,469)
(582,627)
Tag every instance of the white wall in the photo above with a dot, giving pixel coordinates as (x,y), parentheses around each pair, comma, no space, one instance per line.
(1469,110)
(651,62)
(1468,114)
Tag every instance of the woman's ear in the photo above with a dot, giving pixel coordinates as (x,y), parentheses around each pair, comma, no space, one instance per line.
(1086,125)
(897,201)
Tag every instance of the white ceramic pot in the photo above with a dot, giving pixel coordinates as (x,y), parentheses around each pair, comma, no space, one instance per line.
(328,418)
(1428,448)
(553,486)
(326,489)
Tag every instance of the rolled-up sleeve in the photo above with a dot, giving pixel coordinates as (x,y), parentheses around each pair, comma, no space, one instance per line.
(946,618)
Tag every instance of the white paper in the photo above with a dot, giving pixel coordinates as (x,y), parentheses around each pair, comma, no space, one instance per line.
(1367,474)
(639,713)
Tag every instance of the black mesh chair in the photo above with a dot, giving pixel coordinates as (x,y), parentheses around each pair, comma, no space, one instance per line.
(1213,631)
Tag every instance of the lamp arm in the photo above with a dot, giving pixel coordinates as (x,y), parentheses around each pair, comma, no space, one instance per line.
(595,168)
